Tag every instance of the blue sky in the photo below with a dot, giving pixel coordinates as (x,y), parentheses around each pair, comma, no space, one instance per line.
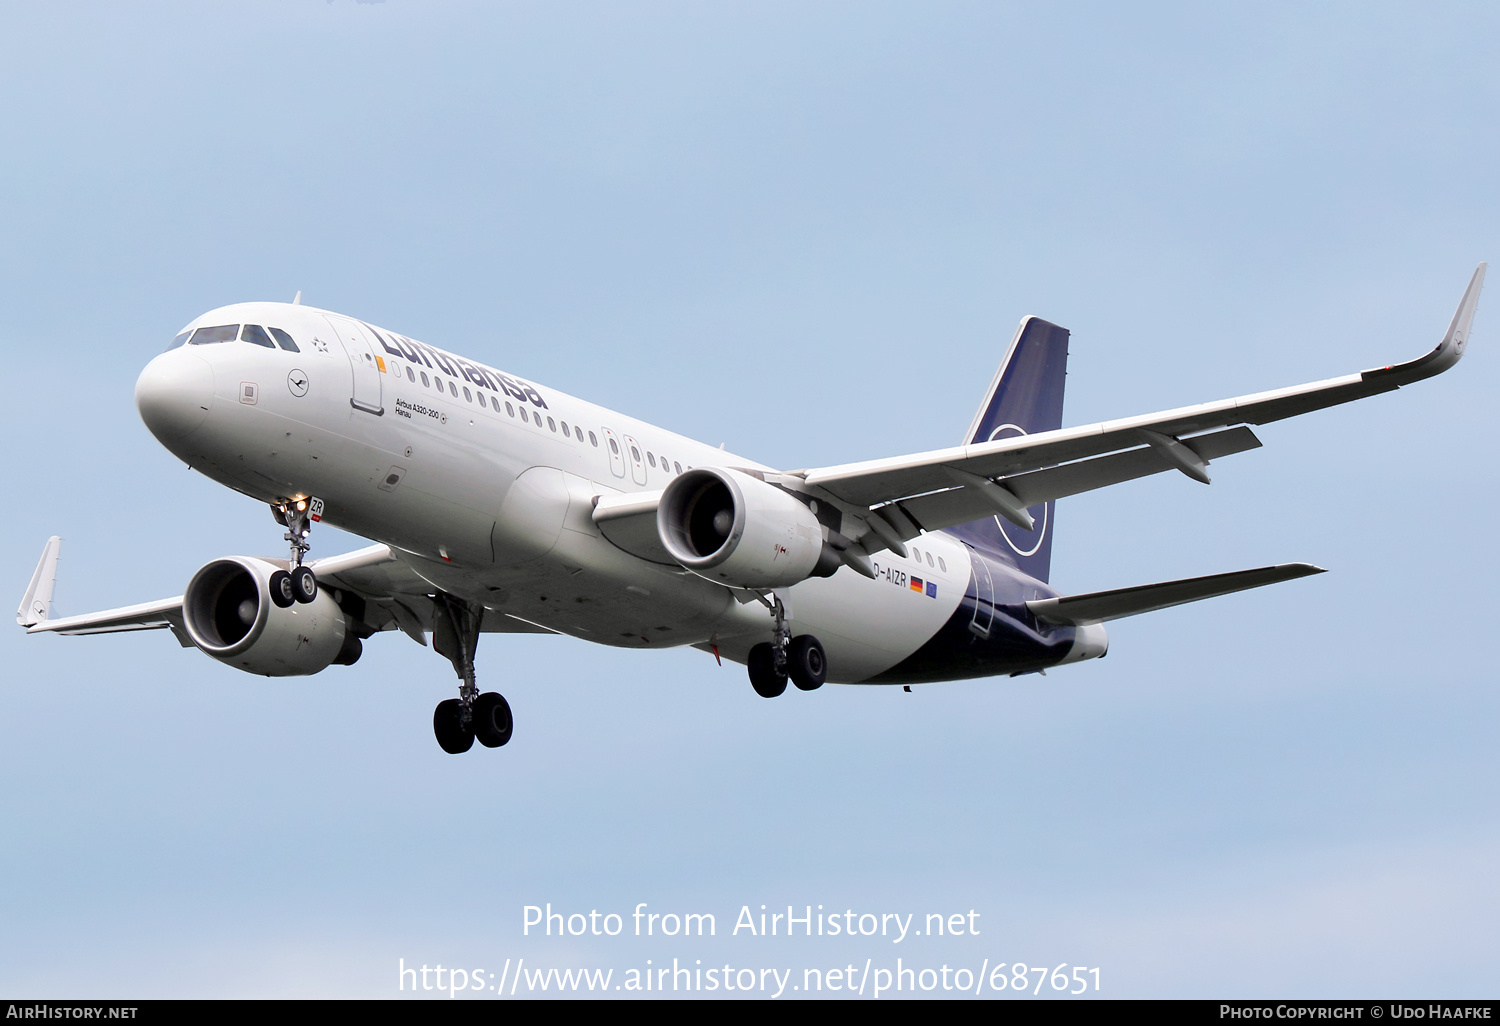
(806,230)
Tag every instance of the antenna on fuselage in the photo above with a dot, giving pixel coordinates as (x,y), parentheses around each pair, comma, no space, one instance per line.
(297,299)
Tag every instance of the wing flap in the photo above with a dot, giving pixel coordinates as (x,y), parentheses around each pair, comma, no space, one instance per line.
(963,505)
(147,616)
(1098,606)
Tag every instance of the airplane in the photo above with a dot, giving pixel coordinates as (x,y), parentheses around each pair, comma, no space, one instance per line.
(499,506)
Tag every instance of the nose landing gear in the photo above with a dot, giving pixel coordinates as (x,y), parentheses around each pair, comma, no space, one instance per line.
(459,722)
(297,584)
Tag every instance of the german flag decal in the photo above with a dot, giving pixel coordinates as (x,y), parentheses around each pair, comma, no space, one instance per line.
(916,585)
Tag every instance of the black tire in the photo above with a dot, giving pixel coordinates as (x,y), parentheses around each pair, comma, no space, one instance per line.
(447,724)
(492,719)
(280,586)
(763,676)
(304,584)
(806,663)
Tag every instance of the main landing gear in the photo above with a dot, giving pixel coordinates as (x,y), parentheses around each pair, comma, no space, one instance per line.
(801,659)
(297,584)
(459,722)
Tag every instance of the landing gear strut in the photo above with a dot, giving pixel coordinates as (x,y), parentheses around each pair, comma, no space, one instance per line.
(297,584)
(458,722)
(771,662)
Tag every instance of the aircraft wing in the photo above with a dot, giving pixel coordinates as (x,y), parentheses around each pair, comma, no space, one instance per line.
(147,616)
(902,496)
(396,598)
(36,607)
(350,570)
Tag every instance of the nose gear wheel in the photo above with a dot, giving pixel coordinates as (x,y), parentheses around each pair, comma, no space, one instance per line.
(297,584)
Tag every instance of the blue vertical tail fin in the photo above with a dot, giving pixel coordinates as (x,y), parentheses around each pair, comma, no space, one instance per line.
(1025,398)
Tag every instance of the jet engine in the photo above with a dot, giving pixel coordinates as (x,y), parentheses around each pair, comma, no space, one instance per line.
(737,530)
(228,612)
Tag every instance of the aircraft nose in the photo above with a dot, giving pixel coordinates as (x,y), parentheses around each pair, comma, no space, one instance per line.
(173,394)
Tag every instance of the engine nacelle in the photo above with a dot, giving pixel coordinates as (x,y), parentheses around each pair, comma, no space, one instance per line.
(229,615)
(737,530)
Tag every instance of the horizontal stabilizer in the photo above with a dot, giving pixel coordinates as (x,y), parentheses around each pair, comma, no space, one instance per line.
(1098,606)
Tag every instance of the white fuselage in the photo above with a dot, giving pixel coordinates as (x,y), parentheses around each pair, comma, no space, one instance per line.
(485,483)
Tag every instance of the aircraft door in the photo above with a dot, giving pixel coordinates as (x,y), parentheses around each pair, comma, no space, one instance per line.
(984,596)
(362,360)
(616,453)
(637,460)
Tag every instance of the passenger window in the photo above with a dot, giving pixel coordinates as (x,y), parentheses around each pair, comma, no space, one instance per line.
(468,396)
(524,419)
(179,340)
(942,564)
(453,388)
(593,440)
(552,424)
(613,447)
(425,382)
(509,409)
(929,559)
(254,333)
(284,340)
(651,459)
(635,454)
(409,375)
(566,429)
(678,467)
(222,333)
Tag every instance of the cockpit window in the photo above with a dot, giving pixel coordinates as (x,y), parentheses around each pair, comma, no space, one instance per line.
(285,340)
(222,333)
(256,334)
(179,340)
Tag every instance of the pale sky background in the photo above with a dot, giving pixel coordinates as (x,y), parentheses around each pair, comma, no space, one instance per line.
(807,230)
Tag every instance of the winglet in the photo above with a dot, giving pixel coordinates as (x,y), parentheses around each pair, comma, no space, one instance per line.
(1449,350)
(37,605)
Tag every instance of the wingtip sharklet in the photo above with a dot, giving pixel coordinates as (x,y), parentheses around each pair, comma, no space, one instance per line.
(36,604)
(1450,350)
(1463,318)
